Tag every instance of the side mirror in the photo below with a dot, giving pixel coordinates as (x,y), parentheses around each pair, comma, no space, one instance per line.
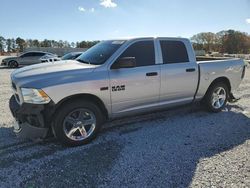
(125,62)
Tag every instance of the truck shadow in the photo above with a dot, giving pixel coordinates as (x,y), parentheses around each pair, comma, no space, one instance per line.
(172,143)
(181,143)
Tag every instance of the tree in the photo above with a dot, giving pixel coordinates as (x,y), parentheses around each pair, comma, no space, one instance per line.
(2,44)
(46,43)
(66,44)
(9,45)
(21,44)
(82,44)
(206,41)
(29,43)
(60,44)
(73,45)
(229,41)
(54,44)
(234,42)
(13,45)
(36,43)
(86,44)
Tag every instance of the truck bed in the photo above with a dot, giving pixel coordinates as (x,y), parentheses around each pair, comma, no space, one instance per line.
(230,69)
(204,58)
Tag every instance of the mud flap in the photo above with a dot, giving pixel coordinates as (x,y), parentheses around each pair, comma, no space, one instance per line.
(232,98)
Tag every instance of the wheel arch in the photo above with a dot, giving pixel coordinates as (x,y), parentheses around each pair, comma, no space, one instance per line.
(84,96)
(220,79)
(12,60)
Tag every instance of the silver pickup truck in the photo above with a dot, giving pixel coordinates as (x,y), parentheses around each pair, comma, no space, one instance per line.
(116,78)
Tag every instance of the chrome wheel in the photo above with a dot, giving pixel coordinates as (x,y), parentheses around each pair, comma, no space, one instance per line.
(218,97)
(79,124)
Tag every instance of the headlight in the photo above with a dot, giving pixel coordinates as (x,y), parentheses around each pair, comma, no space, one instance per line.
(35,96)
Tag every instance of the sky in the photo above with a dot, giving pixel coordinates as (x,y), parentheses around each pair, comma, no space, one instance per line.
(77,20)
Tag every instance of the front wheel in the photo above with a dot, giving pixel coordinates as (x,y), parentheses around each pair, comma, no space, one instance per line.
(216,97)
(77,123)
(13,64)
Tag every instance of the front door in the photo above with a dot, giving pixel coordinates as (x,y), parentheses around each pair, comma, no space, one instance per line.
(136,88)
(26,59)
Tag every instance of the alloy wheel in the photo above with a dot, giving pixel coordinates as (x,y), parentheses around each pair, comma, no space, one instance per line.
(79,124)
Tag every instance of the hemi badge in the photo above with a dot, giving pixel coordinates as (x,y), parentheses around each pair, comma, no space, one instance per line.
(104,88)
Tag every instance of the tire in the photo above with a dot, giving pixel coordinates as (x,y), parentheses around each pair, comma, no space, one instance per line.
(216,97)
(13,64)
(68,118)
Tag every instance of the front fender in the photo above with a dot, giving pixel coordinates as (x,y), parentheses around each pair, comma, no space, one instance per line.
(91,85)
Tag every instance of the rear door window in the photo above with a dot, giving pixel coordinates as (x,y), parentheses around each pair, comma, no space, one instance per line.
(173,52)
(38,54)
(27,54)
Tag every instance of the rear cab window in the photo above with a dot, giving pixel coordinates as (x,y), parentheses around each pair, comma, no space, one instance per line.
(173,52)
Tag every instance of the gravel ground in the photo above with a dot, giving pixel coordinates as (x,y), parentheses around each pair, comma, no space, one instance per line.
(181,147)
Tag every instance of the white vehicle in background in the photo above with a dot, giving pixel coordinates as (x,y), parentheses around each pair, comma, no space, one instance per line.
(49,58)
(116,78)
(68,56)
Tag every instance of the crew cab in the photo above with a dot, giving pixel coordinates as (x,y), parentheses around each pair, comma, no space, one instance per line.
(116,78)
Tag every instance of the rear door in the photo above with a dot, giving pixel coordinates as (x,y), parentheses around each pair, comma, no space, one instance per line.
(179,72)
(136,88)
(36,57)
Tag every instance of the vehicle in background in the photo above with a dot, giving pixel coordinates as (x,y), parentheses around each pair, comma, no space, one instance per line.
(49,58)
(71,55)
(116,78)
(28,58)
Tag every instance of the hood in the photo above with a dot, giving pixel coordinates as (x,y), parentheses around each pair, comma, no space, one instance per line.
(9,58)
(46,74)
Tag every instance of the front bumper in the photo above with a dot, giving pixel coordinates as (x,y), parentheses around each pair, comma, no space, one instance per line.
(32,120)
(3,63)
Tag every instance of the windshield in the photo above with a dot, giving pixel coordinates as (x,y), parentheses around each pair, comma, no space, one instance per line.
(99,53)
(21,55)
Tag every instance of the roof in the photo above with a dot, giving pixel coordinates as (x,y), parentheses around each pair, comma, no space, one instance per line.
(150,37)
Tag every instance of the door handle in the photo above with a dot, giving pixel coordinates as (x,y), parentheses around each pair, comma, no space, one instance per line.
(190,70)
(152,74)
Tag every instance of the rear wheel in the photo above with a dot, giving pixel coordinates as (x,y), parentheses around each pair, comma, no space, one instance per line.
(216,97)
(13,64)
(77,123)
